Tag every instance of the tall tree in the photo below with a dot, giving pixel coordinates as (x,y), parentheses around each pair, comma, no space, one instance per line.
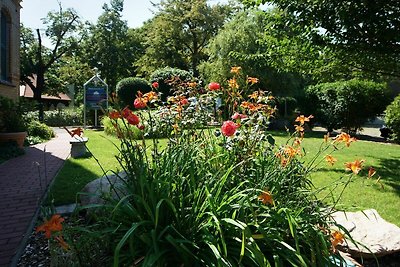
(364,34)
(180,32)
(37,60)
(111,46)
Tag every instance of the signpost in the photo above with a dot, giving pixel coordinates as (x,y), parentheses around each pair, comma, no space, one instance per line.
(95,96)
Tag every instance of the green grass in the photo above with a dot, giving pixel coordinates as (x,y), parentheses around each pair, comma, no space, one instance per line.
(361,193)
(76,173)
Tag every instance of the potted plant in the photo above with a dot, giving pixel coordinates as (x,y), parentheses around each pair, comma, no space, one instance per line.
(12,125)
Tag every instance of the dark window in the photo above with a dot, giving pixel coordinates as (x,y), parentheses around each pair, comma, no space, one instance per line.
(4,46)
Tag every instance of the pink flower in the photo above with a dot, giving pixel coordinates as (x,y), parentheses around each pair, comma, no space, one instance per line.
(238,116)
(213,86)
(155,85)
(139,103)
(184,102)
(228,128)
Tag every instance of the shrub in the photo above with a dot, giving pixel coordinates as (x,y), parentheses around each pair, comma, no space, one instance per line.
(10,150)
(127,89)
(110,129)
(392,118)
(38,131)
(11,117)
(166,77)
(347,104)
(62,117)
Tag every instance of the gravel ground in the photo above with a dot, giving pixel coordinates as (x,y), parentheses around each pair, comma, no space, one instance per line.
(36,253)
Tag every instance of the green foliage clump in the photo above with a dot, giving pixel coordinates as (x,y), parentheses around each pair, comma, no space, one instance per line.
(167,77)
(125,128)
(56,118)
(347,104)
(11,119)
(392,118)
(39,132)
(127,89)
(10,150)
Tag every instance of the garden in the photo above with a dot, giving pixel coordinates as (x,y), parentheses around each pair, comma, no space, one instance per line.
(199,178)
(217,147)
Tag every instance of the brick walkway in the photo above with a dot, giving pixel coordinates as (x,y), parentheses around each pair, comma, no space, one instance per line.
(23,182)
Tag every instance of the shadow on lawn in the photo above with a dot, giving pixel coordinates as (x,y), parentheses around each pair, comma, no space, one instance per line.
(70,181)
(389,172)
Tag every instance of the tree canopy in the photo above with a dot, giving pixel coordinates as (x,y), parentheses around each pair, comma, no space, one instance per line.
(179,33)
(364,34)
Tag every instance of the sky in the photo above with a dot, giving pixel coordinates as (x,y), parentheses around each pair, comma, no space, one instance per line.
(135,11)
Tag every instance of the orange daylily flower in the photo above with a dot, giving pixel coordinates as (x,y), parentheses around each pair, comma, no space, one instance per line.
(345,138)
(191,84)
(266,197)
(233,83)
(331,160)
(337,238)
(291,151)
(236,70)
(254,95)
(355,166)
(303,119)
(150,96)
(252,80)
(299,128)
(371,172)
(52,225)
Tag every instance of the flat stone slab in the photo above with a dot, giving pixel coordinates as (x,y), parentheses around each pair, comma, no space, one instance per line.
(369,229)
(78,146)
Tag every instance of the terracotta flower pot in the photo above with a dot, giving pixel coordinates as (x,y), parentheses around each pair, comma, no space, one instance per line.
(18,137)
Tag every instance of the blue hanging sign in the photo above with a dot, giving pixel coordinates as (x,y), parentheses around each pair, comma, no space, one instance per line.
(96,97)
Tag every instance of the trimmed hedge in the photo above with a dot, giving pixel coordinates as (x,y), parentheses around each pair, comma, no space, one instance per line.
(165,76)
(347,104)
(392,118)
(127,89)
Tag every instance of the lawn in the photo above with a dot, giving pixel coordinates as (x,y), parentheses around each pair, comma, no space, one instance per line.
(361,192)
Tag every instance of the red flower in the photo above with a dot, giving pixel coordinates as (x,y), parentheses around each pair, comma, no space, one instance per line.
(155,85)
(213,86)
(139,103)
(133,119)
(184,102)
(114,115)
(238,116)
(229,128)
(140,126)
(126,112)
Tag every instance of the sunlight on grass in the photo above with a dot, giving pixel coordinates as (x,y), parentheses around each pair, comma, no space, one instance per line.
(361,192)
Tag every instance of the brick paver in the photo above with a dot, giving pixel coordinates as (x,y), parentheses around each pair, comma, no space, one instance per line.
(23,183)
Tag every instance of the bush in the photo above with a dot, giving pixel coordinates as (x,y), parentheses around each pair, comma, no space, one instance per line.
(347,104)
(10,150)
(168,75)
(127,89)
(126,129)
(11,117)
(392,118)
(56,118)
(39,130)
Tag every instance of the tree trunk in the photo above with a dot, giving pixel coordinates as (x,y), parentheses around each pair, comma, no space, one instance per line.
(37,93)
